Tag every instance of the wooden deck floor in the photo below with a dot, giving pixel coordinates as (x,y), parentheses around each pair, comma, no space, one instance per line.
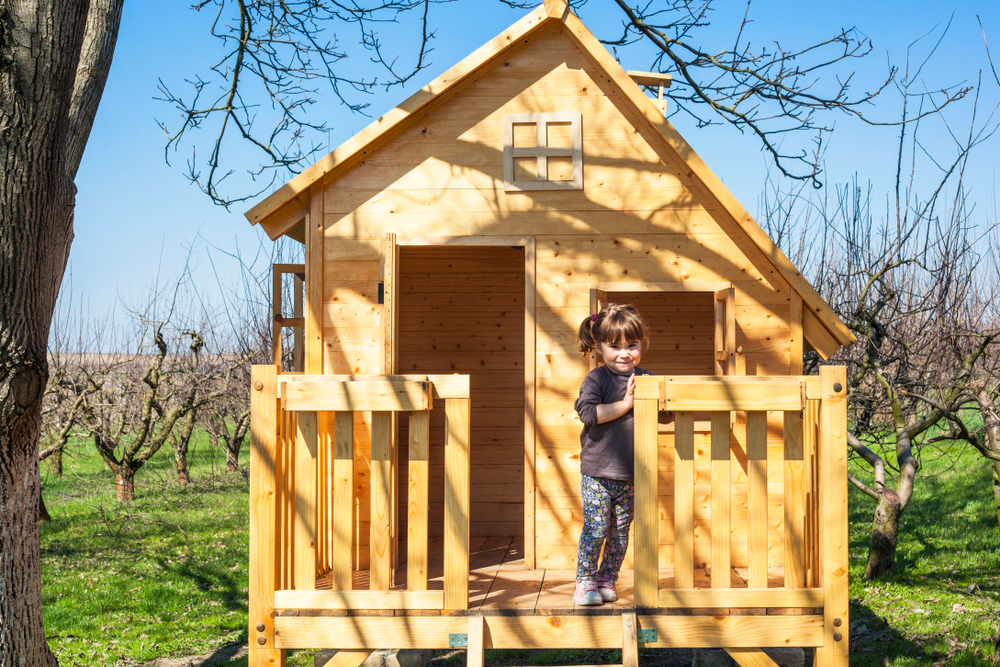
(499,584)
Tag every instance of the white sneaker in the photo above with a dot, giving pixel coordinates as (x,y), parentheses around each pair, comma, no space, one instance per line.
(587,594)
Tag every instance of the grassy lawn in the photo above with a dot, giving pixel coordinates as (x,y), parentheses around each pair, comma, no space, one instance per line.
(167,574)
(942,605)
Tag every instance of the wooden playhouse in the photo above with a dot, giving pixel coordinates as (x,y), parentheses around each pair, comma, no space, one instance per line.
(415,480)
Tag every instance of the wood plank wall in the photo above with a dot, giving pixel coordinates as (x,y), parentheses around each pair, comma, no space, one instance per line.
(462,311)
(638,218)
(681,330)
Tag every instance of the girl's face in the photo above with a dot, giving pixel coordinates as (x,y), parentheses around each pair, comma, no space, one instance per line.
(621,357)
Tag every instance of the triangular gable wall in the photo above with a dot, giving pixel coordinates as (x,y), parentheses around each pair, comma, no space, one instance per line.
(286,206)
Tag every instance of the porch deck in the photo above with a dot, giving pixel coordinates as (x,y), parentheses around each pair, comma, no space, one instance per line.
(500,586)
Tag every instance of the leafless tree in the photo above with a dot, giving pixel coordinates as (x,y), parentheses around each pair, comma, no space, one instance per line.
(289,54)
(247,340)
(910,284)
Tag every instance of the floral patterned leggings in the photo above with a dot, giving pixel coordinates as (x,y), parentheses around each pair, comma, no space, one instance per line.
(608,506)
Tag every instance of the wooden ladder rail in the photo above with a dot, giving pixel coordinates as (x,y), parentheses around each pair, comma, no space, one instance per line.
(297,322)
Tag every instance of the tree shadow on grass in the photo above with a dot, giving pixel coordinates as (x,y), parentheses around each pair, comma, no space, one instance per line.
(875,643)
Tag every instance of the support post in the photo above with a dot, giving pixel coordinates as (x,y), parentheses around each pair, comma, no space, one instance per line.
(263,500)
(314,282)
(646,530)
(475,650)
(456,504)
(630,640)
(833,518)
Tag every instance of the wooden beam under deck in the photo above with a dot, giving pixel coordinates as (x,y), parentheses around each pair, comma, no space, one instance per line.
(423,632)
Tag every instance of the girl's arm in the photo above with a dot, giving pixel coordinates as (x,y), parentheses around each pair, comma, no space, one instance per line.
(610,411)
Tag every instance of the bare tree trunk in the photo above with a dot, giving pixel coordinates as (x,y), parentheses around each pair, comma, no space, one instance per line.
(40,46)
(233,456)
(43,511)
(996,489)
(885,533)
(180,444)
(125,483)
(56,463)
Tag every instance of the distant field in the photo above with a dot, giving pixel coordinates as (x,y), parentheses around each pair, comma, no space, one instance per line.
(167,574)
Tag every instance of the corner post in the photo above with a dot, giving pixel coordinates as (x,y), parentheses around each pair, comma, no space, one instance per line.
(833,518)
(456,503)
(314,282)
(646,525)
(263,501)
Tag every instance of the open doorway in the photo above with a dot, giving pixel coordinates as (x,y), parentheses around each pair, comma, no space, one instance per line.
(461,310)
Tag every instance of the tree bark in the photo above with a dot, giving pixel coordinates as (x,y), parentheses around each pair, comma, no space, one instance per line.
(232,455)
(125,483)
(39,51)
(991,431)
(43,511)
(885,532)
(996,489)
(56,463)
(180,444)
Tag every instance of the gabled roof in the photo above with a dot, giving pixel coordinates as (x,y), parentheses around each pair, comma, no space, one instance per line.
(279,213)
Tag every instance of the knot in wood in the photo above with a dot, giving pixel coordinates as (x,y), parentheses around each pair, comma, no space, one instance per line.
(26,387)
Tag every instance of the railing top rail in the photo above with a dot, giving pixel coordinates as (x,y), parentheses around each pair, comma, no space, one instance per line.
(442,386)
(727,393)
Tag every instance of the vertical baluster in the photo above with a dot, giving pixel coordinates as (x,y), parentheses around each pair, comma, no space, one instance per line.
(381,475)
(416,525)
(721,500)
(343,499)
(811,484)
(305,502)
(757,498)
(794,502)
(684,500)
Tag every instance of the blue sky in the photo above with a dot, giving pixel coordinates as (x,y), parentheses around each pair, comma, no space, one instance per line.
(136,217)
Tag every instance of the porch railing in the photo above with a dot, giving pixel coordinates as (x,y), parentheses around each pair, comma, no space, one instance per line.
(301,492)
(814,472)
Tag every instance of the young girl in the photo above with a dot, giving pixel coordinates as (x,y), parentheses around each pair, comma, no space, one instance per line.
(606,459)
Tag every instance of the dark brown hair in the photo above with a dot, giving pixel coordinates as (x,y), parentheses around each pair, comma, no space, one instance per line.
(617,322)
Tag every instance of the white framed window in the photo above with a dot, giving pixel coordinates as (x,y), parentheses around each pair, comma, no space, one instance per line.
(542,151)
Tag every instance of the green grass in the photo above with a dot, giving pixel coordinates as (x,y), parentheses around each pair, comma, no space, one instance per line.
(942,604)
(167,574)
(164,575)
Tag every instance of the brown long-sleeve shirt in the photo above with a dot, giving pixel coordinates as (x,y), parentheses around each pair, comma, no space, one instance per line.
(607,450)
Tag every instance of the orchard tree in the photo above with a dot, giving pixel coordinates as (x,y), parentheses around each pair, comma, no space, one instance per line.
(54,60)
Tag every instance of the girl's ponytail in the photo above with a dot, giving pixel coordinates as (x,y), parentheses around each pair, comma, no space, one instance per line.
(587,342)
